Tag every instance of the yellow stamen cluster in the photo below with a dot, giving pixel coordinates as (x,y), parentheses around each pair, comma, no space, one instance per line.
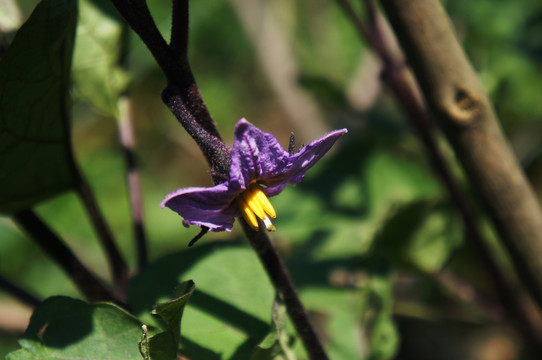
(253,203)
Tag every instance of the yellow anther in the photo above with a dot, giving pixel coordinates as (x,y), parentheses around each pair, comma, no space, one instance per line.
(248,214)
(253,205)
(251,199)
(264,202)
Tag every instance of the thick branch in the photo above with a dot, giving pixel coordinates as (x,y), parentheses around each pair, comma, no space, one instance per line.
(399,79)
(457,99)
(283,284)
(87,283)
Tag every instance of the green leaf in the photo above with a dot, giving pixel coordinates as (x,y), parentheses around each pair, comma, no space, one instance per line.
(97,62)
(164,345)
(228,315)
(421,235)
(275,346)
(35,153)
(65,328)
(379,328)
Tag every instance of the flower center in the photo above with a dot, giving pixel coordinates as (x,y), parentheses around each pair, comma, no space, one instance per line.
(254,204)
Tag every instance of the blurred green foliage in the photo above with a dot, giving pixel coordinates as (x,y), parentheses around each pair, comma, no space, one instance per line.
(368,228)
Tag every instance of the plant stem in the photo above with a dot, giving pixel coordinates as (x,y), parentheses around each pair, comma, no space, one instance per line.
(464,112)
(126,135)
(171,59)
(283,283)
(18,293)
(404,86)
(114,257)
(215,151)
(87,283)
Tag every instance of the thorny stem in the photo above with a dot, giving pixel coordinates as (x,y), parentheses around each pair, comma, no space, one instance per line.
(404,87)
(87,283)
(116,261)
(126,134)
(283,283)
(18,292)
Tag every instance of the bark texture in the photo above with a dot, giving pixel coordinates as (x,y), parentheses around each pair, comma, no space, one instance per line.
(464,112)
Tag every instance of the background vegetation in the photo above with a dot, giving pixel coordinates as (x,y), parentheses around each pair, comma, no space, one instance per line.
(370,237)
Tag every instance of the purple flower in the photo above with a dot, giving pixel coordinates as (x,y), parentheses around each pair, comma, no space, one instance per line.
(260,168)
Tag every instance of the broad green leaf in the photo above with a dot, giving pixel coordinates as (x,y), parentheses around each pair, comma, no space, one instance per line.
(228,315)
(35,153)
(97,62)
(65,328)
(164,345)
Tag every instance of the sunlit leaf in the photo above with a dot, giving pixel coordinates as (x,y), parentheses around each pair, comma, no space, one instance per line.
(35,155)
(97,62)
(228,315)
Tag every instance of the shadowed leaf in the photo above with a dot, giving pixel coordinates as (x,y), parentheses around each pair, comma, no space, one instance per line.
(65,328)
(164,345)
(35,153)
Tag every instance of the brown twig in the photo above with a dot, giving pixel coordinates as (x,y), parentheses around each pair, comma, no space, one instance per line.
(397,76)
(462,108)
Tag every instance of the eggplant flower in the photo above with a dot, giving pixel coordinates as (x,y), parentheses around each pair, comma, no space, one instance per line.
(260,168)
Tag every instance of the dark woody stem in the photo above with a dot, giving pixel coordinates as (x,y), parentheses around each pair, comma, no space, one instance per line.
(172,59)
(87,283)
(283,283)
(183,98)
(216,152)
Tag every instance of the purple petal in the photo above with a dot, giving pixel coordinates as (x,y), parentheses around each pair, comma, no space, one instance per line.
(306,158)
(273,190)
(255,155)
(211,207)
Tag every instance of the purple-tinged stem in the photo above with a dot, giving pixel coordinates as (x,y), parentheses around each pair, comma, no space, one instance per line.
(216,152)
(171,59)
(49,242)
(126,135)
(18,293)
(283,283)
